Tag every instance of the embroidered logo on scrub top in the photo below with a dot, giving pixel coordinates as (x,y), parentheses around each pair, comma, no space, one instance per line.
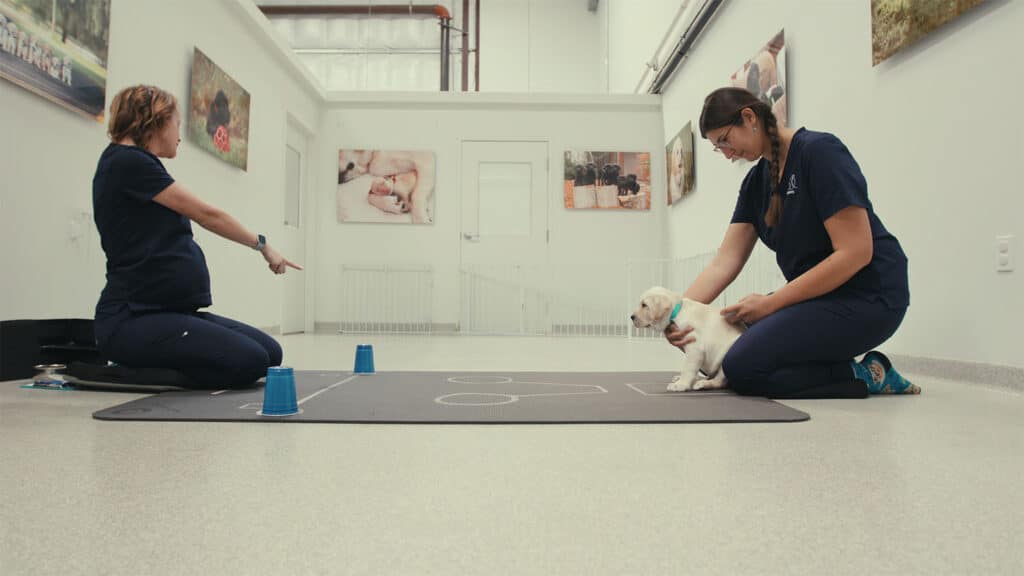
(791,189)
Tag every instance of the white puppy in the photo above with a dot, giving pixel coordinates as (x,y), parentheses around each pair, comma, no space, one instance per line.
(660,307)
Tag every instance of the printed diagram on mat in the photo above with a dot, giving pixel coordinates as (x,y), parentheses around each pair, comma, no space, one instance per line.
(478,390)
(300,401)
(491,390)
(660,389)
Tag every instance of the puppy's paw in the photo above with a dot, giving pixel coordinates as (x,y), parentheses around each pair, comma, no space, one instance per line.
(679,385)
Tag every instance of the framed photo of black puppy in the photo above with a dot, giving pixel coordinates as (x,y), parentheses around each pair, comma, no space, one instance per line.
(218,113)
(765,75)
(607,180)
(679,161)
(57,50)
(386,186)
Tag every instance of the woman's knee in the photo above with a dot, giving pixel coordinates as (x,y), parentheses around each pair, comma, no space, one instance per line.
(274,352)
(246,365)
(735,365)
(740,372)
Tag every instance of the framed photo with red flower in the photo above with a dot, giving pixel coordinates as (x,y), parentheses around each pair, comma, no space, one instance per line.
(218,117)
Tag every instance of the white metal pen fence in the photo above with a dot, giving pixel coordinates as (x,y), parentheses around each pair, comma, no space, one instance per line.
(386,300)
(532,300)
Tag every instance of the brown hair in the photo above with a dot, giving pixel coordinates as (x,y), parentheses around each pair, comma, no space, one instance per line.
(139,111)
(724,107)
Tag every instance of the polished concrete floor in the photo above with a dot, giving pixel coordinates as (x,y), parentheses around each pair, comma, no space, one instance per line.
(932,484)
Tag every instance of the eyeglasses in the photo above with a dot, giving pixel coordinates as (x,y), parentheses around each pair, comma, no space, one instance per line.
(723,140)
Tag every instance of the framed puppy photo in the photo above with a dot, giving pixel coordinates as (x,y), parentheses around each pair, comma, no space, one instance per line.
(607,180)
(765,76)
(58,51)
(386,186)
(679,162)
(218,113)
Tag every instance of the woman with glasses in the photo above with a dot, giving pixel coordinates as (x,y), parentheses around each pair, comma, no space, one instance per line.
(846,289)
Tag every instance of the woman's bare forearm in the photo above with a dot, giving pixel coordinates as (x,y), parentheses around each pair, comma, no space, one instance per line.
(711,282)
(226,226)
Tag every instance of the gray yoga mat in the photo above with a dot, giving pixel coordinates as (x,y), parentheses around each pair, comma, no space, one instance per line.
(466,397)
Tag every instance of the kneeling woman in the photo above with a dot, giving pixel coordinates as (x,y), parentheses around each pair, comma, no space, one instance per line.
(846,290)
(157,280)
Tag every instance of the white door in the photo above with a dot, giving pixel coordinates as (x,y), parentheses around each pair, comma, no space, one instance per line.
(293,244)
(504,237)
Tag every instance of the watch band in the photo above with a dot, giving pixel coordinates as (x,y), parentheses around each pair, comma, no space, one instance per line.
(261,241)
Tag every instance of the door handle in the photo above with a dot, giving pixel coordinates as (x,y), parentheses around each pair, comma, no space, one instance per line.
(471,237)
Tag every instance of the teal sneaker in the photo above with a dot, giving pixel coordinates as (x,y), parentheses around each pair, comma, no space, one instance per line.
(884,378)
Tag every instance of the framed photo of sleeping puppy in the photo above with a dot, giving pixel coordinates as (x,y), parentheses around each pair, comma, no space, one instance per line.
(679,160)
(607,180)
(386,186)
(218,115)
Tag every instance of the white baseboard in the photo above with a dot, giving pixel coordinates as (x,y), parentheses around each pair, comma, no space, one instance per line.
(971,372)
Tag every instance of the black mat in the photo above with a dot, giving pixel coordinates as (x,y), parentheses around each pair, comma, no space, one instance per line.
(467,397)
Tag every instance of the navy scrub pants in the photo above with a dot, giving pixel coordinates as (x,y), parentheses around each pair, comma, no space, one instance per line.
(212,351)
(805,350)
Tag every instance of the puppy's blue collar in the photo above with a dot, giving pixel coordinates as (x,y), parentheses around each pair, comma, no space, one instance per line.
(675,311)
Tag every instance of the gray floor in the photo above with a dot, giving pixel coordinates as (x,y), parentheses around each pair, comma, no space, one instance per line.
(910,485)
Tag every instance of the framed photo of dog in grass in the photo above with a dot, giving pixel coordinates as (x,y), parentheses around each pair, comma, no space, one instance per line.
(899,23)
(57,50)
(607,180)
(764,75)
(679,161)
(218,113)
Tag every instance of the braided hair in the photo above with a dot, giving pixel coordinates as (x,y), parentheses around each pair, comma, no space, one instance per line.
(724,107)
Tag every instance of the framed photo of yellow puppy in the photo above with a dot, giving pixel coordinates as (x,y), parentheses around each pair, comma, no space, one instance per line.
(385,186)
(607,180)
(679,163)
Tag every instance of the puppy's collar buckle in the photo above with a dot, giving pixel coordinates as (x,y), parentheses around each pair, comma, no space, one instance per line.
(675,312)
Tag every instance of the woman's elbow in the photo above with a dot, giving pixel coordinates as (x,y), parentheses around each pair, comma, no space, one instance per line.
(864,257)
(208,217)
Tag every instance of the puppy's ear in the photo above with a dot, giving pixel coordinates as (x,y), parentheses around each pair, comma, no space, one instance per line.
(660,304)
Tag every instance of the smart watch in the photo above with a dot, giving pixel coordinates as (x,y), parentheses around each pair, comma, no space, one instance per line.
(261,241)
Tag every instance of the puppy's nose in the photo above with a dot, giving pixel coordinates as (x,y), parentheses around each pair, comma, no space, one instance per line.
(632,316)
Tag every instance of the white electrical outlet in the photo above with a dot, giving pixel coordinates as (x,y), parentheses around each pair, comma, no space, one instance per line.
(1004,253)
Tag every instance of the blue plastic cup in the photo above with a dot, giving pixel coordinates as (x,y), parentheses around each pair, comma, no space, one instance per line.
(364,359)
(279,393)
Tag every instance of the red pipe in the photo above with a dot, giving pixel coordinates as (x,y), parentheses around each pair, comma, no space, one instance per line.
(369,9)
(477,58)
(465,45)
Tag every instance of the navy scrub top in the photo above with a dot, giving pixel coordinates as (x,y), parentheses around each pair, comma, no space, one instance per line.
(153,263)
(821,178)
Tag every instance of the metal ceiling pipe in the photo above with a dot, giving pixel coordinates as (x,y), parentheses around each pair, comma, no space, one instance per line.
(465,45)
(684,44)
(438,11)
(476,59)
(361,10)
(446,33)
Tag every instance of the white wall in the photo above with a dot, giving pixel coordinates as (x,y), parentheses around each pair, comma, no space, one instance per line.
(634,31)
(48,157)
(540,46)
(934,129)
(599,240)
